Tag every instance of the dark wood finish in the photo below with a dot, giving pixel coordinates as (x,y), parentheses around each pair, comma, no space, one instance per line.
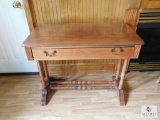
(83,41)
(29,53)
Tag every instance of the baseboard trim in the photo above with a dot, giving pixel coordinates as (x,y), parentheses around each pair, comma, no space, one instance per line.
(20,73)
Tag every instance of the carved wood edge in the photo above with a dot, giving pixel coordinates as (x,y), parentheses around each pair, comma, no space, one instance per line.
(29,53)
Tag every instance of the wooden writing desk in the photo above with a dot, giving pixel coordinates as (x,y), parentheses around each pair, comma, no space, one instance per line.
(83,41)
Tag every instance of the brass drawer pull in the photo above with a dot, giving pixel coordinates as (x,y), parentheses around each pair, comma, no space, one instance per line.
(47,54)
(112,50)
(121,50)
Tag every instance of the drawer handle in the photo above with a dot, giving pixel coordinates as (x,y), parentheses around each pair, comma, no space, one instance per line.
(121,50)
(112,50)
(53,53)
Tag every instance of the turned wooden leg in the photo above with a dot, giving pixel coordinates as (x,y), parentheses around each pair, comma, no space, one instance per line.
(118,69)
(123,73)
(45,69)
(128,61)
(120,84)
(43,73)
(47,79)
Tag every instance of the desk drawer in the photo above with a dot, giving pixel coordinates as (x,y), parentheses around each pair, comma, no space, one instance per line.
(83,53)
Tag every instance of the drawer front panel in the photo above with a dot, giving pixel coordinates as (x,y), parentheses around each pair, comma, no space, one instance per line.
(83,53)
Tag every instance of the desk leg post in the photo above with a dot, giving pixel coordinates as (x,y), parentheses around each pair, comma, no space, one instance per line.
(47,79)
(118,69)
(120,85)
(42,72)
(123,73)
(45,69)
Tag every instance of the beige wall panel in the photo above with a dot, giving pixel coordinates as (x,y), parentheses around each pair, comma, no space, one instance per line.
(77,11)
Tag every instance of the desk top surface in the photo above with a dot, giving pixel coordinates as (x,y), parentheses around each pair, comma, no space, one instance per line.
(82,35)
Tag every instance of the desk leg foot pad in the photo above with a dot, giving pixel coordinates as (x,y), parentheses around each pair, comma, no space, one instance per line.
(44,97)
(121,97)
